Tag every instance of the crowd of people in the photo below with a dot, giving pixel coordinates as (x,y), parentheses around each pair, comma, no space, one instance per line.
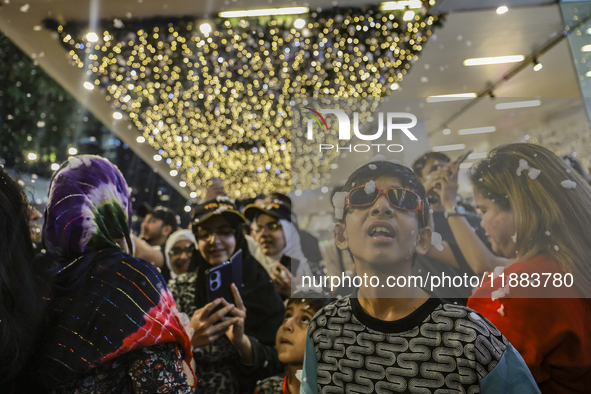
(95,308)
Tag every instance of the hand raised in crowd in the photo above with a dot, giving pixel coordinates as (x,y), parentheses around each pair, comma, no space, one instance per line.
(446,187)
(215,190)
(204,322)
(282,278)
(236,333)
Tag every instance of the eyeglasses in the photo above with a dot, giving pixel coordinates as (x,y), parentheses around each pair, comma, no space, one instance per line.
(189,249)
(397,197)
(270,227)
(205,234)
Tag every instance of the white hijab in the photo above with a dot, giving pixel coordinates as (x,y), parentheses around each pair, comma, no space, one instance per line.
(180,235)
(293,249)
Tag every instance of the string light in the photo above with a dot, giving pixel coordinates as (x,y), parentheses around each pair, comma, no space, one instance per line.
(217,102)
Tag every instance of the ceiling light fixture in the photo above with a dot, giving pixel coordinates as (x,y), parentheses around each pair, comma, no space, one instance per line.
(537,65)
(205,28)
(477,130)
(299,23)
(465,166)
(447,148)
(475,156)
(264,12)
(400,5)
(395,86)
(519,104)
(446,131)
(586,48)
(92,37)
(502,9)
(484,61)
(88,85)
(451,97)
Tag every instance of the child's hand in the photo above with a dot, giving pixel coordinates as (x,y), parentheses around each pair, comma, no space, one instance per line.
(204,324)
(447,187)
(282,278)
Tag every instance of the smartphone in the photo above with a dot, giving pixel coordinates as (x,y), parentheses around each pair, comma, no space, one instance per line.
(464,156)
(221,277)
(292,265)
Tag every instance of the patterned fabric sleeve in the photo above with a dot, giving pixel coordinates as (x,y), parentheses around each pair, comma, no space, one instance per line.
(158,369)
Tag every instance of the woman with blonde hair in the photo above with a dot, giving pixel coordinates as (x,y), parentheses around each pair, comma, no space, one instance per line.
(536,211)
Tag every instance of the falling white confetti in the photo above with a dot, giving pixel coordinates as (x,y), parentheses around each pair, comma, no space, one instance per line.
(372,167)
(533,173)
(25,8)
(225,198)
(514,238)
(307,307)
(436,241)
(500,293)
(339,213)
(370,187)
(548,233)
(568,184)
(523,165)
(37,28)
(556,248)
(78,161)
(501,310)
(220,210)
(498,271)
(118,23)
(568,171)
(378,158)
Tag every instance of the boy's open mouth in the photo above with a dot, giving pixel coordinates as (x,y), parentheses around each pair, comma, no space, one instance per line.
(381,231)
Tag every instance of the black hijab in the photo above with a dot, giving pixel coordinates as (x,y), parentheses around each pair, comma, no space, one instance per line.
(264,307)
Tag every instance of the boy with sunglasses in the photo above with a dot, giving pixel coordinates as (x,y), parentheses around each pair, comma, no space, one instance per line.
(400,339)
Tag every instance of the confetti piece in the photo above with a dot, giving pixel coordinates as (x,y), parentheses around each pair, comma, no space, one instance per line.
(370,187)
(436,241)
(568,184)
(501,310)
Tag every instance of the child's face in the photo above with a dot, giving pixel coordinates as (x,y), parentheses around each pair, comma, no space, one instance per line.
(291,337)
(398,236)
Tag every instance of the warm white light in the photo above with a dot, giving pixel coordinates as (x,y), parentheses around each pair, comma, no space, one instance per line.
(502,9)
(157,157)
(447,148)
(182,183)
(395,86)
(205,28)
(400,5)
(140,139)
(408,15)
(299,23)
(324,189)
(483,61)
(518,104)
(174,172)
(130,86)
(55,166)
(32,156)
(126,98)
(117,115)
(446,131)
(586,48)
(88,85)
(588,75)
(298,193)
(537,66)
(72,151)
(334,166)
(476,156)
(451,97)
(92,37)
(187,208)
(477,130)
(264,12)
(193,195)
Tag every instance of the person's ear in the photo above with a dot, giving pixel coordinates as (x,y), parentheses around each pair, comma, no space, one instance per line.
(167,230)
(340,236)
(424,241)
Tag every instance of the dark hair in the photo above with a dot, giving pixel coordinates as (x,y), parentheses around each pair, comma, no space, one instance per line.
(405,175)
(419,163)
(315,300)
(21,303)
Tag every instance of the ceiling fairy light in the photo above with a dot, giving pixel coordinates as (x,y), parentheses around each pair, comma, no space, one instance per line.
(299,23)
(264,12)
(218,104)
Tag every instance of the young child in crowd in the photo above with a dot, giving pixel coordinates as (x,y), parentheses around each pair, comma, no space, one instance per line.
(400,339)
(291,343)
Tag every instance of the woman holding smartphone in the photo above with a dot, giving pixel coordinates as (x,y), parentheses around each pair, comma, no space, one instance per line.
(232,343)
